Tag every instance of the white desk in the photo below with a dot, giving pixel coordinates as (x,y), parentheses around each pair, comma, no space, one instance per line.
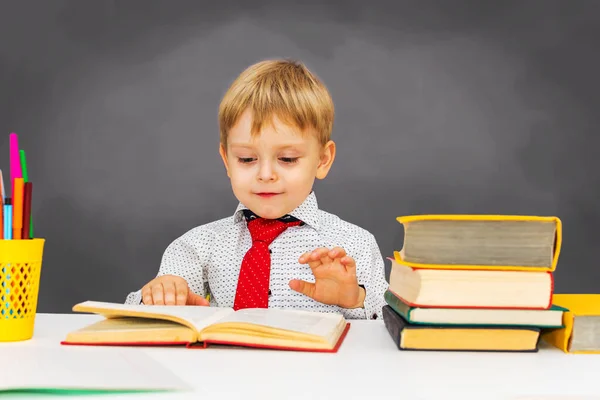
(367,366)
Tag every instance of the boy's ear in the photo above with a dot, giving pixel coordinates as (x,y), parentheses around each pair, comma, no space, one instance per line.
(223,153)
(327,157)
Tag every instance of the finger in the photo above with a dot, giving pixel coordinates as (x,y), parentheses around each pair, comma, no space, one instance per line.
(181,293)
(147,295)
(157,294)
(306,288)
(313,258)
(318,254)
(325,259)
(169,292)
(312,255)
(350,264)
(303,259)
(318,257)
(337,252)
(196,300)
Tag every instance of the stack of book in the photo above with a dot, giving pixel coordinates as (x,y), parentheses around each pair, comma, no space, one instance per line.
(473,283)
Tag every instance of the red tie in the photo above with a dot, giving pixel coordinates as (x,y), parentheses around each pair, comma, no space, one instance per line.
(253,283)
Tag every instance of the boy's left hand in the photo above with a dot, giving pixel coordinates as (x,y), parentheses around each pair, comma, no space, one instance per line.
(335,278)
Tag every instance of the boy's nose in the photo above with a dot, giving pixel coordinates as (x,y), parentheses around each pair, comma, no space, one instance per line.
(266,172)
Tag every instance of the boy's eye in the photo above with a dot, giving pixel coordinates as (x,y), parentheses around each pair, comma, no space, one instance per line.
(245,160)
(289,160)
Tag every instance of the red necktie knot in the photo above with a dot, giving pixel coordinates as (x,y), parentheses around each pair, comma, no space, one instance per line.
(266,230)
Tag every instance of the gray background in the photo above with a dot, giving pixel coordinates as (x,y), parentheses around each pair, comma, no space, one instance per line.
(442,107)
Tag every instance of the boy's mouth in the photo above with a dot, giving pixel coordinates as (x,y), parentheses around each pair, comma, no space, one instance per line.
(266,194)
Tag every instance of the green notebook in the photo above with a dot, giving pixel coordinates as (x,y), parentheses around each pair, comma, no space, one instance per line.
(550,318)
(45,393)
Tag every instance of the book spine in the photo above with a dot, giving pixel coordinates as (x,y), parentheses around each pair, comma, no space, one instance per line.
(394,325)
(398,305)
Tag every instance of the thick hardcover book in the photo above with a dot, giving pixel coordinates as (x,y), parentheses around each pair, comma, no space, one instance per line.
(455,288)
(481,242)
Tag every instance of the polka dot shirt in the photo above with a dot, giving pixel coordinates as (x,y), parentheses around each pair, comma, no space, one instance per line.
(209,258)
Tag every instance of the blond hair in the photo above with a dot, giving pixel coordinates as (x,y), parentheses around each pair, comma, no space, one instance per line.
(285,89)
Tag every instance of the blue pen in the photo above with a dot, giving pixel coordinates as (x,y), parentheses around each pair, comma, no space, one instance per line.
(7,219)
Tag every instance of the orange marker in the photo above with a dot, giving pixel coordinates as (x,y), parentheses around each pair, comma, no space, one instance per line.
(18,209)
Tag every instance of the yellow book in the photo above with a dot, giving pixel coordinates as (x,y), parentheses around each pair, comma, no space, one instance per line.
(581,324)
(408,336)
(194,326)
(481,242)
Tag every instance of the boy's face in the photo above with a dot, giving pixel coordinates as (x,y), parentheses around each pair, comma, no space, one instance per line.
(273,172)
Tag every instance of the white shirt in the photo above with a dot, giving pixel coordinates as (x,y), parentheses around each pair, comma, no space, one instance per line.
(209,258)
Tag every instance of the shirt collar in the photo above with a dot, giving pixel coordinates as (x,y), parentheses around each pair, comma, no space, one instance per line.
(306,212)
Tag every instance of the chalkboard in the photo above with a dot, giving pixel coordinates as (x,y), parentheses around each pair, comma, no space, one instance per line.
(441,107)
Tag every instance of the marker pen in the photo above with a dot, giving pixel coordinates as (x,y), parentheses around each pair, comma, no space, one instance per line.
(8,219)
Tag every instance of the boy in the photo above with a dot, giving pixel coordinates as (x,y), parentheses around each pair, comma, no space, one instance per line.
(278,249)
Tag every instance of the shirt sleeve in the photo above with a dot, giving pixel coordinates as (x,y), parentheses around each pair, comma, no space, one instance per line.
(377,285)
(372,278)
(186,257)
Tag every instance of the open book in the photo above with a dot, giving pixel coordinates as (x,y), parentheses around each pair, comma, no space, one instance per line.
(195,326)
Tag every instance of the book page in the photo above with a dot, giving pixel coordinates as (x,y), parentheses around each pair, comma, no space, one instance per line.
(197,316)
(83,369)
(312,323)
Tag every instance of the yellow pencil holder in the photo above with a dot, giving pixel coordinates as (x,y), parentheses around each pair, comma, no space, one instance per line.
(20,269)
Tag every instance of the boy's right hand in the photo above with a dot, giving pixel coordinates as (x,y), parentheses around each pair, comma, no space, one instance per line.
(171,290)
